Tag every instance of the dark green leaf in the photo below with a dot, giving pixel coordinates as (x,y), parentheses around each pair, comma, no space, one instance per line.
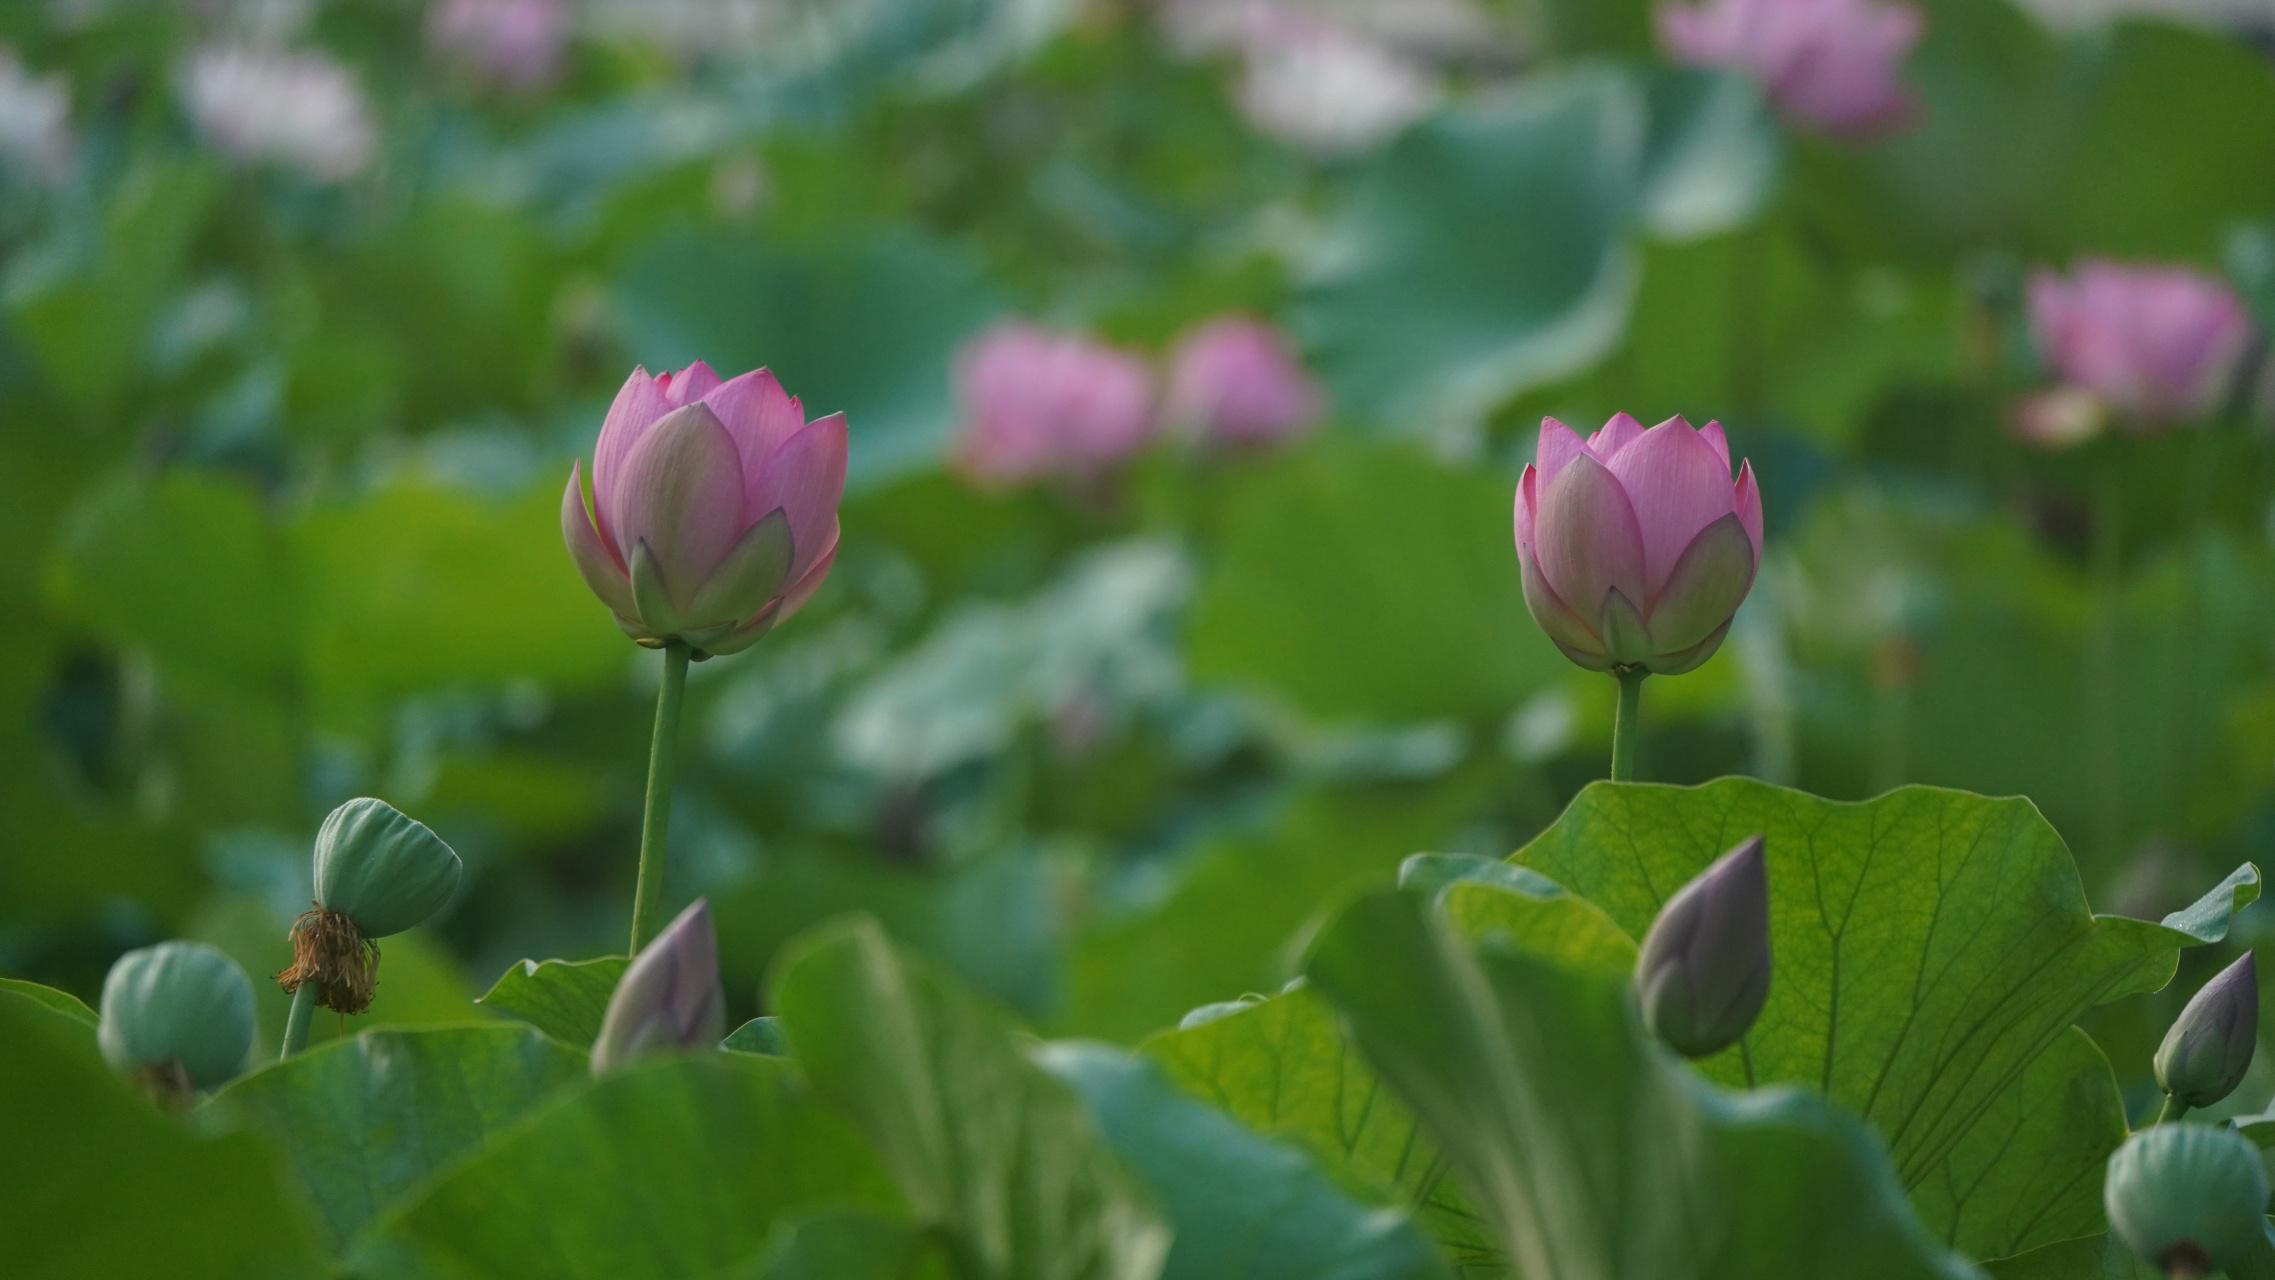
(847,1246)
(1240,1207)
(565,999)
(363,1120)
(987,1147)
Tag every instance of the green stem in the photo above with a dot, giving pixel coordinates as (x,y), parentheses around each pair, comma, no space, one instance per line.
(296,1022)
(663,758)
(2105,765)
(2174,1108)
(1626,728)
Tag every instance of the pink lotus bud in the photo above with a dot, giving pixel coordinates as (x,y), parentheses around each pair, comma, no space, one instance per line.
(516,43)
(1042,404)
(2155,344)
(714,508)
(1834,65)
(1636,547)
(1703,971)
(1235,382)
(669,999)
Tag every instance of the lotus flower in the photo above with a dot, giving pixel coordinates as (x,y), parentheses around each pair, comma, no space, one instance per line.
(1235,382)
(516,43)
(1637,548)
(1834,65)
(302,109)
(1704,968)
(1039,404)
(2153,345)
(2209,1046)
(714,508)
(669,999)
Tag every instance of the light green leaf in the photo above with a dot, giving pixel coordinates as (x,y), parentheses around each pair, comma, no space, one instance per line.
(63,1002)
(1480,254)
(1241,1207)
(1713,154)
(676,1167)
(361,1121)
(759,1035)
(1589,1151)
(987,1147)
(565,999)
(1930,946)
(102,1184)
(2087,1258)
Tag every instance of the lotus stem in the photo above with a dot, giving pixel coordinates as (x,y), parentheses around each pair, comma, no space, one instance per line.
(655,825)
(296,1022)
(2174,1108)
(1626,727)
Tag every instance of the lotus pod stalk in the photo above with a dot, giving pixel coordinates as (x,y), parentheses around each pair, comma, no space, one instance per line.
(1703,971)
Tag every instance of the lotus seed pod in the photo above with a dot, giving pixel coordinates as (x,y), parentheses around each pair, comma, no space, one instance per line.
(2188,1198)
(2209,1047)
(177,1011)
(381,869)
(1703,971)
(668,1001)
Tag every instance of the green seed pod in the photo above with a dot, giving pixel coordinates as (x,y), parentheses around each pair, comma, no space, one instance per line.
(176,1010)
(2188,1198)
(381,869)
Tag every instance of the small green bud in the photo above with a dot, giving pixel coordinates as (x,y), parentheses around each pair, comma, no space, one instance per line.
(1703,970)
(174,1014)
(385,871)
(2187,1198)
(2209,1046)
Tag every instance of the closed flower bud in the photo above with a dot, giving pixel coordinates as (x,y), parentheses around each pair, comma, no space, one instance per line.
(669,999)
(178,1017)
(1703,972)
(2187,1198)
(1835,66)
(378,872)
(1636,546)
(2209,1046)
(1235,383)
(2152,345)
(1040,405)
(714,508)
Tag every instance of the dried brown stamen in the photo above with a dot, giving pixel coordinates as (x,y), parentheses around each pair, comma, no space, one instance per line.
(167,1082)
(2187,1261)
(328,950)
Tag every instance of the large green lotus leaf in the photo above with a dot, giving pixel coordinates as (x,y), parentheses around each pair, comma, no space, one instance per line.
(1481,253)
(676,1167)
(1366,579)
(100,1183)
(845,1245)
(2101,1258)
(867,328)
(565,999)
(361,1121)
(1241,1207)
(1930,945)
(1712,159)
(1588,1150)
(63,1002)
(989,1150)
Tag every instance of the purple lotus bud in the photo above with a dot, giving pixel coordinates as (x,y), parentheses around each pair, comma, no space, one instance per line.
(516,44)
(1833,65)
(1043,405)
(1637,548)
(2209,1046)
(714,508)
(2186,1198)
(1234,382)
(1703,972)
(2155,345)
(669,999)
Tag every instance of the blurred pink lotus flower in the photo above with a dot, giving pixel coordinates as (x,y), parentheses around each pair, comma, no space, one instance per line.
(2149,345)
(1038,404)
(301,109)
(669,1000)
(516,43)
(714,508)
(1236,382)
(1835,65)
(1637,548)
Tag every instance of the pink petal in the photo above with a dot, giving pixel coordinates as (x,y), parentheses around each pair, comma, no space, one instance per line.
(595,560)
(1559,444)
(759,415)
(803,590)
(639,402)
(1748,498)
(1586,538)
(1678,485)
(689,385)
(1614,436)
(1713,433)
(1528,487)
(682,494)
(1572,635)
(806,478)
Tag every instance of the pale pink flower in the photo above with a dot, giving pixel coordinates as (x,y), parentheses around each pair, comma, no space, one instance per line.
(1835,65)
(2153,345)
(714,507)
(300,109)
(1040,404)
(1637,548)
(516,43)
(1235,381)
